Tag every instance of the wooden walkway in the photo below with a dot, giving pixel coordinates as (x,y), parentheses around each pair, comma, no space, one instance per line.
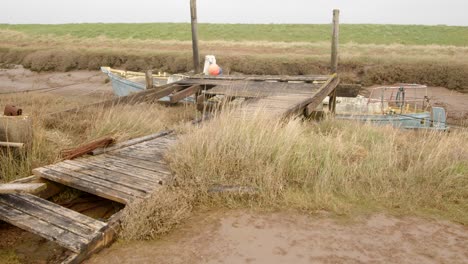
(273,96)
(121,175)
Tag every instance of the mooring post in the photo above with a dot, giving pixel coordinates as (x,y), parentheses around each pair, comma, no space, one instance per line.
(335,40)
(149,79)
(334,56)
(196,55)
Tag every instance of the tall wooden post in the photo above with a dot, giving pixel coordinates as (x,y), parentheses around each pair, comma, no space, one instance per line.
(196,55)
(334,56)
(335,40)
(149,79)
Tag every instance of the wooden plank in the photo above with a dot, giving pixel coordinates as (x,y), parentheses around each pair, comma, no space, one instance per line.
(156,166)
(22,187)
(99,178)
(139,178)
(116,177)
(132,142)
(86,185)
(318,97)
(42,228)
(176,97)
(11,145)
(76,217)
(52,188)
(49,216)
(283,78)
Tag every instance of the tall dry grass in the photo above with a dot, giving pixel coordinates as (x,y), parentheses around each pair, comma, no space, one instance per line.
(338,166)
(332,165)
(52,134)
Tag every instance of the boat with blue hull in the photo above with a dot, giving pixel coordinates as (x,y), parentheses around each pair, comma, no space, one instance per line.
(404,106)
(128,82)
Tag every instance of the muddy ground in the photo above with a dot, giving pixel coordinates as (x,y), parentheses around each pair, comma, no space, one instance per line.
(288,237)
(253,237)
(95,84)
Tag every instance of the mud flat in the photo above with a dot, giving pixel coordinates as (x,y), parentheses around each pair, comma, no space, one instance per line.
(74,83)
(253,237)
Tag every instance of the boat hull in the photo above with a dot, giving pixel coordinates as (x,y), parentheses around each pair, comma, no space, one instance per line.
(407,121)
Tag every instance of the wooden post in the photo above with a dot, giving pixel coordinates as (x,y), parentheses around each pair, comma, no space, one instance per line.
(335,40)
(196,55)
(149,79)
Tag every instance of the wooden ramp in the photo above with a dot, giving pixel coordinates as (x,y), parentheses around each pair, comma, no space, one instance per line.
(275,96)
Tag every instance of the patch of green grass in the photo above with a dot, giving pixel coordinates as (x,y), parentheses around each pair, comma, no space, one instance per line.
(358,33)
(8,257)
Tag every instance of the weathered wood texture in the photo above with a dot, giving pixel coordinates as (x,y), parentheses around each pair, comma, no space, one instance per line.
(283,99)
(22,188)
(194,22)
(121,175)
(335,41)
(67,228)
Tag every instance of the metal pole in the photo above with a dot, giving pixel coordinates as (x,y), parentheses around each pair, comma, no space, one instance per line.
(335,40)
(196,55)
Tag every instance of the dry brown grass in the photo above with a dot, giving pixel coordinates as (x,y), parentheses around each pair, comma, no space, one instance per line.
(343,167)
(148,219)
(51,135)
(333,165)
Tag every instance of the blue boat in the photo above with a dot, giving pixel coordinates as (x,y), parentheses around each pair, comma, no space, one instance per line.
(405,106)
(128,82)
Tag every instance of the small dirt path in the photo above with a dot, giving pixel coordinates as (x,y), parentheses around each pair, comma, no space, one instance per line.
(252,237)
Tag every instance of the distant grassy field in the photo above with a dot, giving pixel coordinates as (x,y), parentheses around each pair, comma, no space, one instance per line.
(361,34)
(369,54)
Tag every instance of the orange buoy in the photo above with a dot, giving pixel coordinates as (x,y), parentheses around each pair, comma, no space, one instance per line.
(214,70)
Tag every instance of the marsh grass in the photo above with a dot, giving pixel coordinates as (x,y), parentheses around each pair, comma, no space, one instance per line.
(53,134)
(342,167)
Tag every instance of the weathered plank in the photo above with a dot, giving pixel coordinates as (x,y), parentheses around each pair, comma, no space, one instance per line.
(140,178)
(176,97)
(132,142)
(115,177)
(86,185)
(22,187)
(76,217)
(154,165)
(42,228)
(49,216)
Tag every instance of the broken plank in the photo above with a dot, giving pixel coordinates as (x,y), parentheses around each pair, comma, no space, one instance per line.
(86,185)
(176,97)
(22,187)
(42,228)
(75,216)
(49,216)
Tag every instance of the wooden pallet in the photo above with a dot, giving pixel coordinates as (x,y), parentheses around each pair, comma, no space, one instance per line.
(121,175)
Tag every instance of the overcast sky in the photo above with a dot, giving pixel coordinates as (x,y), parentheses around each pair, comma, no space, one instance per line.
(430,12)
